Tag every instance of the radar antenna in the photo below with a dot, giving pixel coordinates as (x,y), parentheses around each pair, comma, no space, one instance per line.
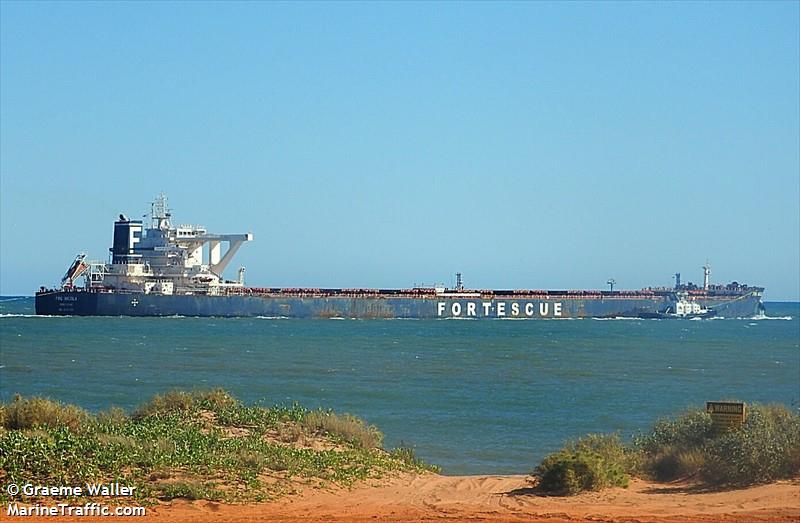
(160,213)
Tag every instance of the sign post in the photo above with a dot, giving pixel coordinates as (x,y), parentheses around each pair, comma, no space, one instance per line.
(726,415)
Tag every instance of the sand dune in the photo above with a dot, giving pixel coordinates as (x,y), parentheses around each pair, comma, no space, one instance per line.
(430,497)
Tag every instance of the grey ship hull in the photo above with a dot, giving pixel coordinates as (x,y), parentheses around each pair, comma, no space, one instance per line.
(85,303)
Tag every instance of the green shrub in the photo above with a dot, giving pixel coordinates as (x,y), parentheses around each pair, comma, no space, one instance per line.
(689,430)
(766,448)
(593,462)
(344,426)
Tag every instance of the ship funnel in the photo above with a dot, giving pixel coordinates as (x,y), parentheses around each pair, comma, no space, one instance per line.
(127,234)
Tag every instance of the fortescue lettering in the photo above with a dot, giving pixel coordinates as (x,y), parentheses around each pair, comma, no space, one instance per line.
(498,309)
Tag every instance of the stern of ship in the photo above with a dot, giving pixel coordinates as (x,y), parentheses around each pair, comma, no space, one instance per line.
(66,303)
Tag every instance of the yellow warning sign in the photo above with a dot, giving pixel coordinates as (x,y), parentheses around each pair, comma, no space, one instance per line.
(726,415)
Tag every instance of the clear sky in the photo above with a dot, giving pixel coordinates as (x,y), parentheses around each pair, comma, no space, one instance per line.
(528,145)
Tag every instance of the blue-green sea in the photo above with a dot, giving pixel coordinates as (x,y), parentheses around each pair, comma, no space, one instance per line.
(476,397)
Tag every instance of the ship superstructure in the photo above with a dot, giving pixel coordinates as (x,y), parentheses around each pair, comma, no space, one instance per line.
(165,259)
(166,270)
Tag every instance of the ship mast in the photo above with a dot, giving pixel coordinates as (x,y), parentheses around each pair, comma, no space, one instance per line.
(160,213)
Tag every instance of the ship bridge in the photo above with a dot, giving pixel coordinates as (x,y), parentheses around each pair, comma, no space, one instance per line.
(166,257)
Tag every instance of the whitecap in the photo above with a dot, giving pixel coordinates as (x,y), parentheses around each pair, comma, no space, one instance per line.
(12,315)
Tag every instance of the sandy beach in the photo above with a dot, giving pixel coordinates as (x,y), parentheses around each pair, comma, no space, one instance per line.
(431,497)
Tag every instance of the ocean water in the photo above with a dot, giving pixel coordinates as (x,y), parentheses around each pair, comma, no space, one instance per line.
(476,397)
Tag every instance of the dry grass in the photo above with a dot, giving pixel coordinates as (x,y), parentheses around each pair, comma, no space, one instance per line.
(251,460)
(113,417)
(183,401)
(124,442)
(344,426)
(673,463)
(289,432)
(29,413)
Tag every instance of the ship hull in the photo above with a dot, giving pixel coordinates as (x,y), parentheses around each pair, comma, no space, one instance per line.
(83,303)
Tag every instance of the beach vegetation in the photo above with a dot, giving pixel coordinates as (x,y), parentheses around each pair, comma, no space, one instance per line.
(687,447)
(185,401)
(114,416)
(765,448)
(594,462)
(29,413)
(194,445)
(191,490)
(406,453)
(346,428)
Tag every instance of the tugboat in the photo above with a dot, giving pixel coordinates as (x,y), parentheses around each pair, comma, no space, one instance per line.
(682,309)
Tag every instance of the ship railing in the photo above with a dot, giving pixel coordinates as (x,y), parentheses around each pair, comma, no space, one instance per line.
(322,293)
(484,294)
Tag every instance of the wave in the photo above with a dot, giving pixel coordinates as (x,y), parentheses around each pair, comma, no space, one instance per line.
(15,315)
(15,298)
(619,318)
(765,317)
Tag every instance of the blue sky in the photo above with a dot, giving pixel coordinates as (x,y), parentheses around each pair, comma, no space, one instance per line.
(529,145)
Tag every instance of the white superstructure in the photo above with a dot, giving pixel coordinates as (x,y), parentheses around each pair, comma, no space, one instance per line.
(685,308)
(164,259)
(688,308)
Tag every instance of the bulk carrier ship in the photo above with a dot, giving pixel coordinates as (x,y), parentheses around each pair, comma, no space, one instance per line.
(167,270)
